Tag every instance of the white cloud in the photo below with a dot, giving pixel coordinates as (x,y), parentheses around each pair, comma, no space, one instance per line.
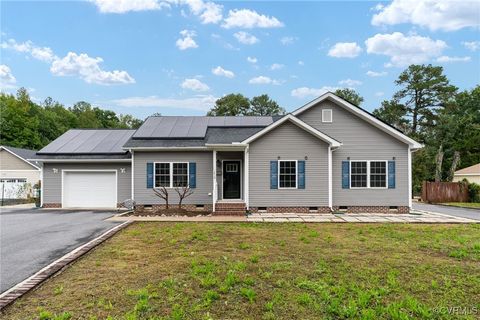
(186,42)
(7,80)
(376,74)
(194,85)
(345,50)
(304,92)
(252,59)
(208,12)
(433,14)
(301,63)
(276,66)
(88,69)
(123,6)
(447,59)
(288,40)
(247,19)
(472,45)
(405,50)
(350,83)
(40,53)
(201,102)
(245,37)
(264,80)
(219,71)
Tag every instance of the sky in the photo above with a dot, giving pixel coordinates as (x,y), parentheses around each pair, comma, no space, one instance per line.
(176,57)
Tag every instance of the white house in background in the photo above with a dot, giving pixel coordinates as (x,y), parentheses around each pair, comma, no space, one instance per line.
(17,174)
(472,174)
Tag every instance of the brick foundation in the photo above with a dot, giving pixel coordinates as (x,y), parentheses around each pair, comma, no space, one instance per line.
(189,207)
(291,210)
(350,209)
(52,205)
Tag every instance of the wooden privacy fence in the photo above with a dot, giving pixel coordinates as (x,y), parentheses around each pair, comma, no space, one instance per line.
(437,192)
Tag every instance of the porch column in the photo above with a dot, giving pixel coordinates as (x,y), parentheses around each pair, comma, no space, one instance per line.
(246,154)
(215,192)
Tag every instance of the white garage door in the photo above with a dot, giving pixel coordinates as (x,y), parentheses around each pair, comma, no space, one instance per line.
(89,189)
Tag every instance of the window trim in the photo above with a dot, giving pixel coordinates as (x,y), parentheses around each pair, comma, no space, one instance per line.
(368,174)
(323,115)
(171,173)
(296,175)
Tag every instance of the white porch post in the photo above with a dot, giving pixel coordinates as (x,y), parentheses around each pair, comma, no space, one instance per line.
(246,179)
(330,202)
(215,192)
(409,177)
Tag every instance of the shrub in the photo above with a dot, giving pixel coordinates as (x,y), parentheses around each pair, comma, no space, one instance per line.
(474,192)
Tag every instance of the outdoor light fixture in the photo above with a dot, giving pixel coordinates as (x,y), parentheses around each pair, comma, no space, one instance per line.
(393,158)
(278,157)
(306,157)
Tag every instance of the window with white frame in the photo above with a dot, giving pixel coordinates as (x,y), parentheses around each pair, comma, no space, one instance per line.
(368,174)
(327,115)
(287,174)
(378,174)
(171,174)
(358,174)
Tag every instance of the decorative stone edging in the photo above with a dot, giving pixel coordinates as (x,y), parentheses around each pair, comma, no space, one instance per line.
(30,283)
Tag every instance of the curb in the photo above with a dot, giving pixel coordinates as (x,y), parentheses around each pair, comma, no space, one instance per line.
(33,281)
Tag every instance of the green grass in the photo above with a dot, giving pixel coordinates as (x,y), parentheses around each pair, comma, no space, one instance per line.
(268,271)
(464,204)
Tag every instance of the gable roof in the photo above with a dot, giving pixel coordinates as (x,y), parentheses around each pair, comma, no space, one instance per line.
(472,170)
(363,114)
(289,117)
(25,155)
(89,141)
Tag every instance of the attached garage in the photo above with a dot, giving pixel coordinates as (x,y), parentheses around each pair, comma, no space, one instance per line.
(89,189)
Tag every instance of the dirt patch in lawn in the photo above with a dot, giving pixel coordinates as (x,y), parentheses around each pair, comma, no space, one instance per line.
(268,271)
(169,212)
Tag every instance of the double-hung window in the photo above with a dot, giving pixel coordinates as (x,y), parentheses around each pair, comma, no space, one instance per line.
(368,174)
(171,174)
(287,174)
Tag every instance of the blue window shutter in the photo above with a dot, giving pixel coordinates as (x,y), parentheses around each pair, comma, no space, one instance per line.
(192,172)
(345,174)
(149,175)
(273,174)
(391,174)
(301,174)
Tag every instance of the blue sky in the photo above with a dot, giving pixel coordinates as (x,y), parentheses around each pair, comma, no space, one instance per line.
(177,56)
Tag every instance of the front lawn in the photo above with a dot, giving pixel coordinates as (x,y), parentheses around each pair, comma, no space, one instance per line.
(464,204)
(269,271)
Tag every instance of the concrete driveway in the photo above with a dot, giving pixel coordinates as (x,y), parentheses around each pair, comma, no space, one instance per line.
(451,211)
(31,239)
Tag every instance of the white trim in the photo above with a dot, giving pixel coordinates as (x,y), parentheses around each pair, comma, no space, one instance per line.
(278,174)
(247,178)
(241,184)
(410,195)
(133,176)
(41,187)
(19,170)
(323,115)
(166,148)
(368,175)
(171,173)
(330,189)
(364,115)
(215,184)
(83,160)
(455,174)
(16,155)
(332,142)
(91,170)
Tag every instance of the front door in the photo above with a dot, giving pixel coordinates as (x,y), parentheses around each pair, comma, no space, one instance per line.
(231,179)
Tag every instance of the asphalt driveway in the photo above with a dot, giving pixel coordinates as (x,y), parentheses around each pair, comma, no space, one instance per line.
(452,211)
(31,239)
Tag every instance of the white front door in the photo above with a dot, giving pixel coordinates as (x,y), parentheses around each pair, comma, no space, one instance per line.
(89,189)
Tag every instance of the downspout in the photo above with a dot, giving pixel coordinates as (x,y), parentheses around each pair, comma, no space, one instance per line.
(215,192)
(330,196)
(133,175)
(247,173)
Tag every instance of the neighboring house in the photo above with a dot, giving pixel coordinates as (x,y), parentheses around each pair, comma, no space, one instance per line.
(18,175)
(328,155)
(472,174)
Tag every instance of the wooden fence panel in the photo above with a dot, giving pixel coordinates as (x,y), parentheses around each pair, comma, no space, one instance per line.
(438,192)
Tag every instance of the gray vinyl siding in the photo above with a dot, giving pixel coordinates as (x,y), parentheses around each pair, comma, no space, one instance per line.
(10,162)
(288,142)
(202,192)
(228,155)
(361,141)
(52,182)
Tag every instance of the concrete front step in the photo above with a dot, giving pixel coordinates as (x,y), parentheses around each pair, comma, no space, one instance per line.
(229,213)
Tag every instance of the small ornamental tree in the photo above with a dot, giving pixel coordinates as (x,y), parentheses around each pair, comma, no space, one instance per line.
(162,192)
(183,192)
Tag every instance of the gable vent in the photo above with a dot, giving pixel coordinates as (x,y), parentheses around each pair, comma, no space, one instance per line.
(327,115)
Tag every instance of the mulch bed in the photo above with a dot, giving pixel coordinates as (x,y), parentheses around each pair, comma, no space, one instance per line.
(169,212)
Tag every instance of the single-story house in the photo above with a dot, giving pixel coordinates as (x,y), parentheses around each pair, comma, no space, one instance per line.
(325,156)
(472,174)
(18,175)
